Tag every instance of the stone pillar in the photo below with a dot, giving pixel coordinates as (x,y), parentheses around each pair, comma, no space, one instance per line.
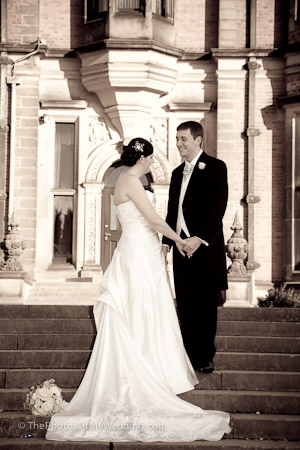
(4,61)
(92,233)
(231,145)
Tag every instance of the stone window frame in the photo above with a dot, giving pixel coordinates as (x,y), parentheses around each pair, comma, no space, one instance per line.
(292,114)
(67,191)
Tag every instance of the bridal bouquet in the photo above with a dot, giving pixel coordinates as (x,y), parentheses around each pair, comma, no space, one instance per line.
(45,399)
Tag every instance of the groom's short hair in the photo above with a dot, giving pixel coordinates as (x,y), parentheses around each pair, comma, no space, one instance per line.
(195,128)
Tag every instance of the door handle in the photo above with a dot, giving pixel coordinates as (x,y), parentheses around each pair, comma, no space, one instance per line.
(106,236)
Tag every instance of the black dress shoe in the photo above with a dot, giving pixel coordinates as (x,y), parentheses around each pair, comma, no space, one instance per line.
(207,367)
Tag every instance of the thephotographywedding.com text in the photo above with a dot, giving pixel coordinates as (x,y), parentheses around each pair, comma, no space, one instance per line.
(92,426)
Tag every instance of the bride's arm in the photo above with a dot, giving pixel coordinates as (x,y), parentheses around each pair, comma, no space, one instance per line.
(136,193)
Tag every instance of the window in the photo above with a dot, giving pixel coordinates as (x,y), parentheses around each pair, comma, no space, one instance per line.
(296,196)
(63,228)
(297,11)
(131,4)
(163,8)
(63,192)
(95,9)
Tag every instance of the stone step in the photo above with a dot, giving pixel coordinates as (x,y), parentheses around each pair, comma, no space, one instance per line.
(46,311)
(232,444)
(76,288)
(257,361)
(44,359)
(48,342)
(249,380)
(253,344)
(245,401)
(57,300)
(77,359)
(259,314)
(78,326)
(24,378)
(258,344)
(75,293)
(86,311)
(251,328)
(244,426)
(232,401)
(225,379)
(47,326)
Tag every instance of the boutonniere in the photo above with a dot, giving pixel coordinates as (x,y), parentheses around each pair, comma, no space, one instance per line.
(201,165)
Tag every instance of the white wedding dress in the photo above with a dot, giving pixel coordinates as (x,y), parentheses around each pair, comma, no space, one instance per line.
(138,363)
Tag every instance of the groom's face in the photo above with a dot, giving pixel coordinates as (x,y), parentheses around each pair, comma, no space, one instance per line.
(188,147)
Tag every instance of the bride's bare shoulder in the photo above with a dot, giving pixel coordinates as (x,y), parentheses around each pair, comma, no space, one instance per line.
(126,184)
(127,179)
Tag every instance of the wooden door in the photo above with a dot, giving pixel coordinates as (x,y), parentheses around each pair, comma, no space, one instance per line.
(111,228)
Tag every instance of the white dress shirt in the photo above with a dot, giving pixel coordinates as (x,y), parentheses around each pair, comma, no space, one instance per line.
(181,225)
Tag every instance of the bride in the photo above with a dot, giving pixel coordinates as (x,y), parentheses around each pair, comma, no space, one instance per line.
(138,363)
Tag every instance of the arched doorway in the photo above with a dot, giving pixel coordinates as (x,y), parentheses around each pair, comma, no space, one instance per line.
(110,227)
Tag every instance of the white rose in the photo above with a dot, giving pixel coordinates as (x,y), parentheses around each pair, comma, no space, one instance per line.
(44,409)
(48,405)
(44,393)
(201,165)
(54,391)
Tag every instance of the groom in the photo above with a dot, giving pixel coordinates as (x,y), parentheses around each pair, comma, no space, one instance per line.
(197,203)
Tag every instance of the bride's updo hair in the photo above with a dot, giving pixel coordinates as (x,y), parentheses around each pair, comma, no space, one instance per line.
(136,148)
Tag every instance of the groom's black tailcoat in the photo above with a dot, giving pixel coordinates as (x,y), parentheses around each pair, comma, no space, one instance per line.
(199,279)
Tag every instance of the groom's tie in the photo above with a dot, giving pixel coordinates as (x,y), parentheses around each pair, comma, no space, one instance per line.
(187,170)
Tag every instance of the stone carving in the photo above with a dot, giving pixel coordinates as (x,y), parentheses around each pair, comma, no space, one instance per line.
(13,248)
(160,207)
(237,249)
(159,134)
(91,230)
(253,65)
(104,155)
(98,132)
(159,171)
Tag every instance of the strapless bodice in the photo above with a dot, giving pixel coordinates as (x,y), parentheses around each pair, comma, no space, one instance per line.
(129,214)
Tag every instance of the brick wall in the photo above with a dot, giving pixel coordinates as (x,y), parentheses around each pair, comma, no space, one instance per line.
(55,23)
(293,83)
(265,19)
(232,24)
(190,25)
(22,21)
(25,201)
(271,23)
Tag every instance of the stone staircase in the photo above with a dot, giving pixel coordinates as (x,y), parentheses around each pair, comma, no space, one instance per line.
(79,291)
(257,376)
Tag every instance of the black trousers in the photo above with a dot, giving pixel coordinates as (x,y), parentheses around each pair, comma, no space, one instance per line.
(197,304)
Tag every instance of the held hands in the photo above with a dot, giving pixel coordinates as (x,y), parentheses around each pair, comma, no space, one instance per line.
(191,245)
(181,247)
(185,247)
(188,246)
